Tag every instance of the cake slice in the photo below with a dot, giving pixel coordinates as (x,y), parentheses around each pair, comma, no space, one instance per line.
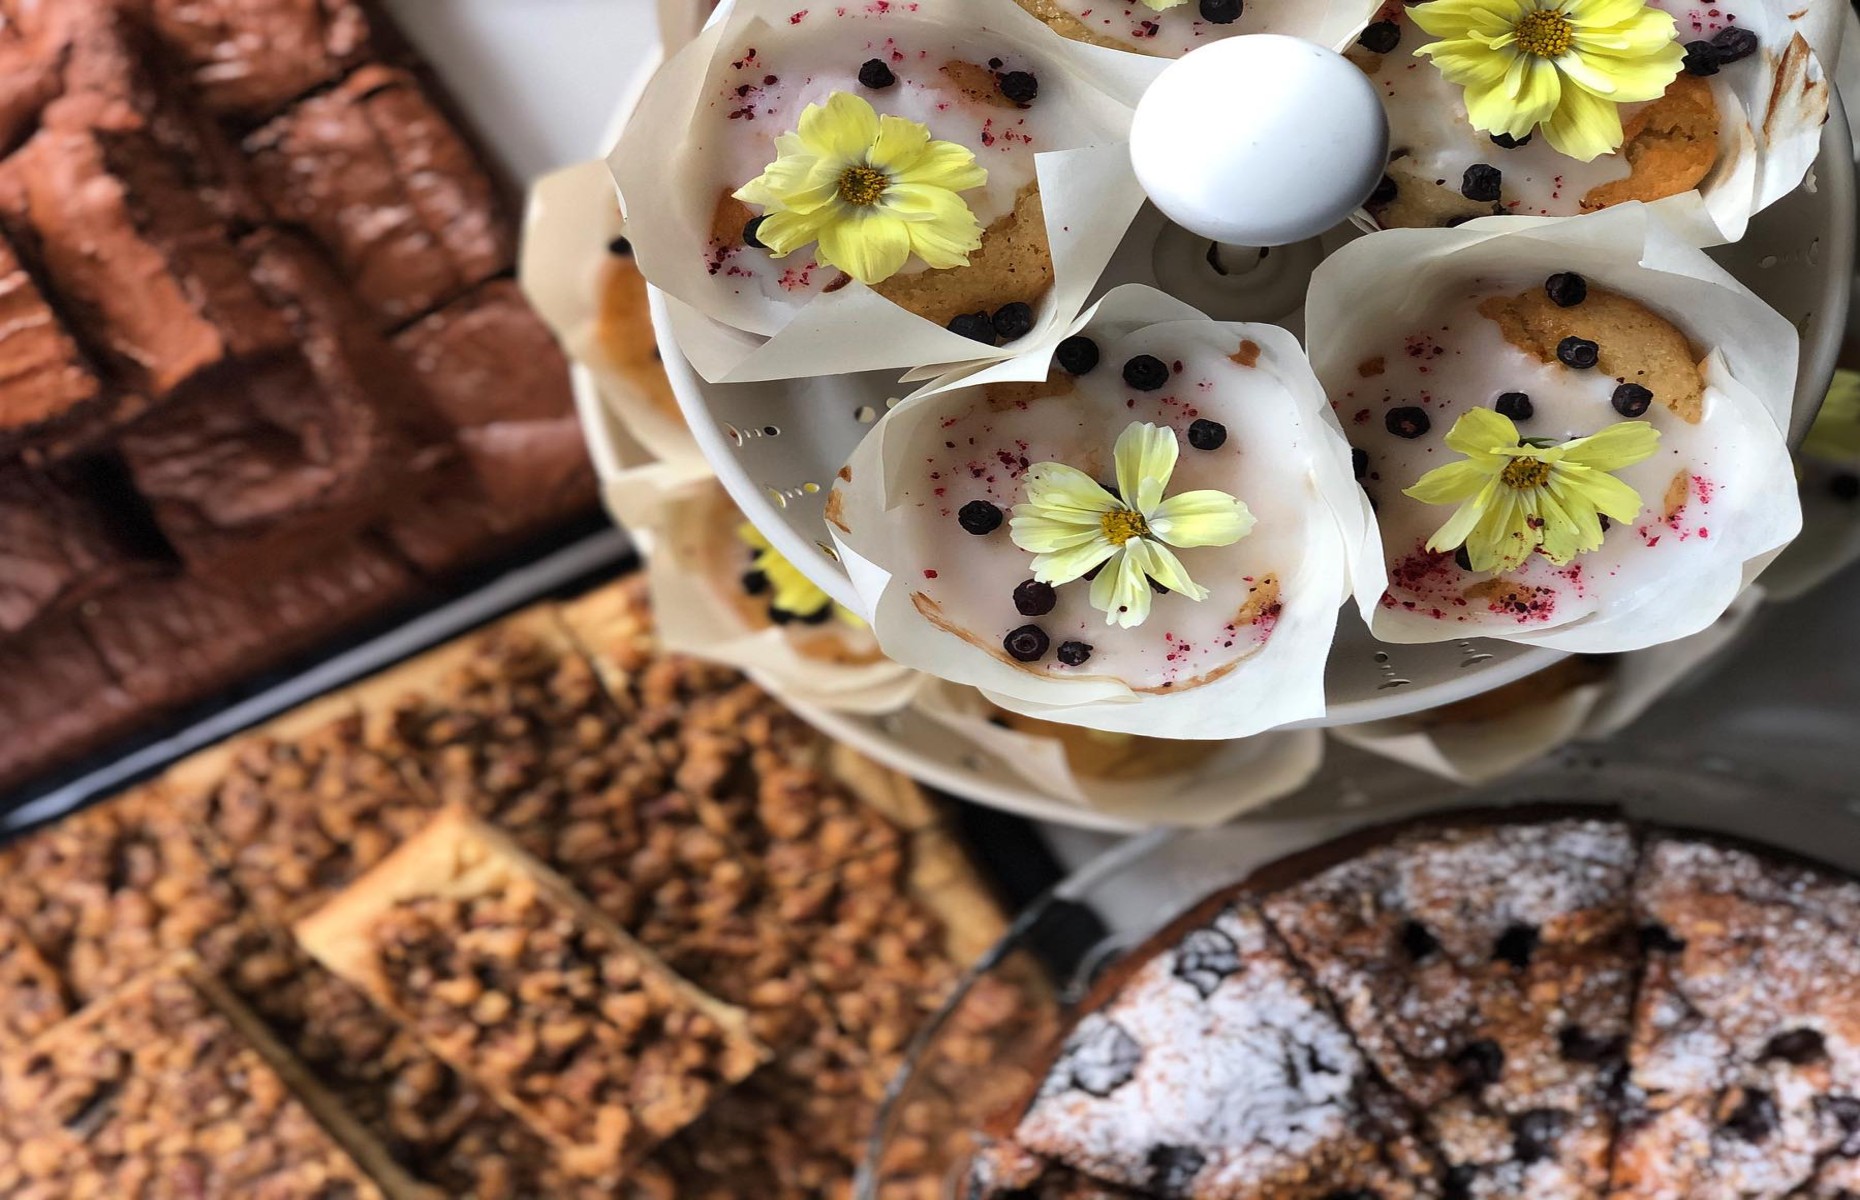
(1209,1068)
(1487,972)
(520,984)
(1746,1042)
(168,1087)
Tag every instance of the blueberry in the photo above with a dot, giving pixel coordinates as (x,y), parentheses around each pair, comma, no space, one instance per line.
(1516,945)
(1631,399)
(1482,183)
(1582,1047)
(1659,938)
(1462,558)
(1381,37)
(755,583)
(749,233)
(1385,192)
(1146,372)
(1480,1064)
(1026,644)
(1578,353)
(1566,289)
(1798,1047)
(979,516)
(977,326)
(780,616)
(818,616)
(1074,654)
(1417,941)
(1734,44)
(1034,599)
(1408,422)
(1207,435)
(1012,320)
(1019,86)
(1534,1134)
(1702,58)
(1505,141)
(1221,12)
(1516,405)
(1359,461)
(876,74)
(1204,958)
(1754,1118)
(619,247)
(1173,1170)
(1077,355)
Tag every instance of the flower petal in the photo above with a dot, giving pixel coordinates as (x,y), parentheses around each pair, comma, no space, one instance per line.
(1161,564)
(1585,126)
(1619,445)
(843,129)
(1480,434)
(867,244)
(1201,518)
(1145,457)
(1451,483)
(1122,591)
(785,232)
(1066,565)
(1054,488)
(940,164)
(898,143)
(943,229)
(1600,491)
(1459,526)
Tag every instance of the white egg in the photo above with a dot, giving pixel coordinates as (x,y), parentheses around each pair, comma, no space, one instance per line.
(1261,140)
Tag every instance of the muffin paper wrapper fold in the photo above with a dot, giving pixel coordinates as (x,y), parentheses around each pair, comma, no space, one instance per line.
(1232,778)
(686,527)
(1279,683)
(1087,189)
(1395,278)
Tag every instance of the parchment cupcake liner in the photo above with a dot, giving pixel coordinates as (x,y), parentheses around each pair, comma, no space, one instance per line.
(1152,780)
(685,149)
(1248,658)
(1719,496)
(1135,26)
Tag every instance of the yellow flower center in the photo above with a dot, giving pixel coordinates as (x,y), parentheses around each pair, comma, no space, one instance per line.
(862,185)
(1122,524)
(1544,33)
(1525,473)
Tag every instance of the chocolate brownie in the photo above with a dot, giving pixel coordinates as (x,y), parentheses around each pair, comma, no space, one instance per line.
(45,383)
(1746,1044)
(1211,1068)
(1488,974)
(63,535)
(57,699)
(246,59)
(378,175)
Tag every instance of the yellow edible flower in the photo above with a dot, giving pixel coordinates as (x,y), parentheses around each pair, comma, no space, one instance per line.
(1516,499)
(1071,524)
(1562,65)
(870,190)
(789,590)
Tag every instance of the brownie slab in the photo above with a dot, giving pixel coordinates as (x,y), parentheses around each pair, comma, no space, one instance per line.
(45,383)
(63,534)
(245,59)
(1488,974)
(1211,1069)
(1746,1040)
(57,698)
(378,175)
(159,1090)
(516,981)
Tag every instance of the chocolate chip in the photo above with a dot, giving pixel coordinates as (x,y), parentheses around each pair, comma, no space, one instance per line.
(1034,599)
(1505,141)
(1516,945)
(1845,486)
(1074,654)
(1221,12)
(1702,58)
(1754,1118)
(1100,1057)
(1566,289)
(1578,353)
(1631,400)
(1019,86)
(1026,644)
(876,74)
(1408,421)
(1146,372)
(1077,355)
(620,247)
(1204,958)
(1386,190)
(1462,558)
(1173,1170)
(755,582)
(1516,405)
(1480,1064)
(979,517)
(1534,1134)
(1013,320)
(749,233)
(1207,435)
(1734,44)
(1578,1045)
(1359,461)
(1381,37)
(1417,941)
(976,326)
(1660,939)
(1798,1047)
(1482,183)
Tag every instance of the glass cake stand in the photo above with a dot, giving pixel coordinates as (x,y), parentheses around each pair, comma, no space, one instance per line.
(1057,946)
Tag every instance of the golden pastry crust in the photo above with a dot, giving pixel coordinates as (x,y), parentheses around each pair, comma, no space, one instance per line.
(1637,344)
(623,329)
(1014,263)
(1671,146)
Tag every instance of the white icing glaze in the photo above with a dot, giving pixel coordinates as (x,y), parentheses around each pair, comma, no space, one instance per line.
(1175,31)
(1428,123)
(743,112)
(1265,461)
(1459,360)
